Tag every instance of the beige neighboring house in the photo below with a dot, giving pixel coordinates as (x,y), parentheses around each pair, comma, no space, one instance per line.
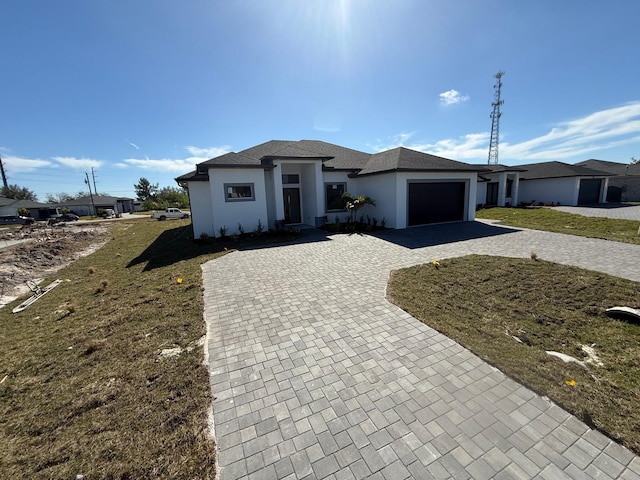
(624,184)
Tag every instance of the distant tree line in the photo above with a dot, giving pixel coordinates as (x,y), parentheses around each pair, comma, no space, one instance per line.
(155,198)
(18,193)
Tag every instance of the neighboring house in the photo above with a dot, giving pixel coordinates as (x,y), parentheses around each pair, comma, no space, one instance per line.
(84,206)
(39,211)
(624,184)
(561,183)
(300,183)
(500,187)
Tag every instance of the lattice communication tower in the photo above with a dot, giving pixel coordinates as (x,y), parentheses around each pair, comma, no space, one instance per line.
(495,121)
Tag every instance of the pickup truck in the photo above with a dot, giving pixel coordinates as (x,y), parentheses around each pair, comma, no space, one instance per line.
(170,213)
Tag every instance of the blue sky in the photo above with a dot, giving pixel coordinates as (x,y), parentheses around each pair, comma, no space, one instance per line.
(148,88)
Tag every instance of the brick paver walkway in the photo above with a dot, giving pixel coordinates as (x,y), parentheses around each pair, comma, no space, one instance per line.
(316,375)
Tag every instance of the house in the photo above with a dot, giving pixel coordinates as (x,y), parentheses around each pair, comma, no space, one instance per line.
(87,206)
(499,187)
(624,184)
(39,211)
(300,183)
(562,183)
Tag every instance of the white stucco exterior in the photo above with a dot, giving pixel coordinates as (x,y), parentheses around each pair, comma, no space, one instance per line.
(563,191)
(228,214)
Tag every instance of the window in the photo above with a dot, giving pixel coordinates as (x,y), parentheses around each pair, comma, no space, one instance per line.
(289,178)
(238,192)
(333,196)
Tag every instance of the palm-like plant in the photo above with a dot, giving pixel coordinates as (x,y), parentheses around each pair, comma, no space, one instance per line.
(353,204)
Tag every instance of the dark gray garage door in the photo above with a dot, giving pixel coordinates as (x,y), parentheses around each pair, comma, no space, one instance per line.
(435,202)
(589,191)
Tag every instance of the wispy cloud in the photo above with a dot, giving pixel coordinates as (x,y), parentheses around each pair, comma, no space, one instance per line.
(133,145)
(452,97)
(24,165)
(182,165)
(164,165)
(598,131)
(208,152)
(78,162)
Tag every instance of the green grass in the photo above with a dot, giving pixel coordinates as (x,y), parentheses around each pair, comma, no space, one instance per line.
(85,390)
(482,302)
(562,222)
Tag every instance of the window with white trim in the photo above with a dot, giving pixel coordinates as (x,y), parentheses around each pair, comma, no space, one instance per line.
(333,196)
(238,192)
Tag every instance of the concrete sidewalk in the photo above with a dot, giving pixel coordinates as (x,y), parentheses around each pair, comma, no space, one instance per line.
(316,375)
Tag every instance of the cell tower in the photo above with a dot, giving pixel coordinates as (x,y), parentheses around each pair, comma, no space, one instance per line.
(495,121)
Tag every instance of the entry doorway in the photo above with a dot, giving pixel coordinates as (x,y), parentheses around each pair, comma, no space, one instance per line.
(292,210)
(492,194)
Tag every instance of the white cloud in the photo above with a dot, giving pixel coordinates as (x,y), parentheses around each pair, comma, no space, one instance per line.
(181,165)
(452,97)
(163,165)
(23,165)
(598,131)
(120,165)
(134,145)
(209,152)
(78,162)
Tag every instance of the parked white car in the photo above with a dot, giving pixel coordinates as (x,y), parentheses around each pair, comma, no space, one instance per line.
(170,213)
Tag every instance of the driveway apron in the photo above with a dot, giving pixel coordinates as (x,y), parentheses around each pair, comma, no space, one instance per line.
(316,375)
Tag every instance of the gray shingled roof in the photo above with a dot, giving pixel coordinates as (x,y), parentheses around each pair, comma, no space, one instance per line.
(333,157)
(12,202)
(535,171)
(614,168)
(404,159)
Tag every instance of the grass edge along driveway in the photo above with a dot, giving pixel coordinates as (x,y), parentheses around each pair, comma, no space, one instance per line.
(485,302)
(562,222)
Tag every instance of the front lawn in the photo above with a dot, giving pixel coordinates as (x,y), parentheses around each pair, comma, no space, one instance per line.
(562,222)
(484,302)
(87,382)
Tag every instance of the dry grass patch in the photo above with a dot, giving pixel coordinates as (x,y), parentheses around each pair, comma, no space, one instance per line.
(484,302)
(86,391)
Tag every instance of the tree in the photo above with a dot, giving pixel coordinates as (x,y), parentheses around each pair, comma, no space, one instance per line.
(145,190)
(353,204)
(60,197)
(18,193)
(172,197)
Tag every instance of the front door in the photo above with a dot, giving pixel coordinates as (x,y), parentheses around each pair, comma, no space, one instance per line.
(291,205)
(492,193)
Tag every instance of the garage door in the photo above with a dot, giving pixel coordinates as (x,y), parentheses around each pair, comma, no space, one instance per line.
(435,202)
(589,191)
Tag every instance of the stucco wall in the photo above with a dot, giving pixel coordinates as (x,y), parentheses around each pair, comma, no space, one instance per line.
(201,209)
(382,190)
(246,212)
(562,190)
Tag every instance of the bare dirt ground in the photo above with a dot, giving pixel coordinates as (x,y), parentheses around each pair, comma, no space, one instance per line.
(35,252)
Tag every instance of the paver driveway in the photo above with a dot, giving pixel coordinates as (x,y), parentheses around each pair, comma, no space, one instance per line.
(316,375)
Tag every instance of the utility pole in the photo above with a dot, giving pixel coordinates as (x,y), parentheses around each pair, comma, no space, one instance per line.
(4,175)
(495,121)
(93,174)
(91,194)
